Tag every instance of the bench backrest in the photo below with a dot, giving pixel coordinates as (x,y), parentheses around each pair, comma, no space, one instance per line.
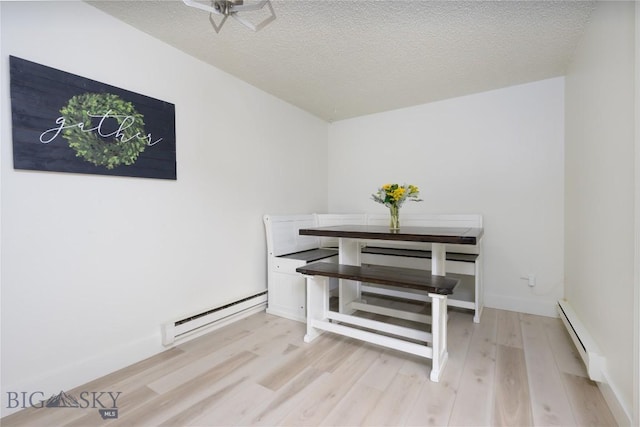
(283,237)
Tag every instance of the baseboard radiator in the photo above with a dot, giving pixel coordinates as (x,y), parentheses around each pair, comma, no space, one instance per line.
(587,348)
(207,320)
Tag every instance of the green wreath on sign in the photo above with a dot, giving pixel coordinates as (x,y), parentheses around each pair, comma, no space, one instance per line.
(87,137)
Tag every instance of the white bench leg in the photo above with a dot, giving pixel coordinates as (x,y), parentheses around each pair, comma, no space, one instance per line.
(439,335)
(317,304)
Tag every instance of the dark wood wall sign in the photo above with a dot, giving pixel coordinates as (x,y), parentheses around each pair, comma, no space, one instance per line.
(67,123)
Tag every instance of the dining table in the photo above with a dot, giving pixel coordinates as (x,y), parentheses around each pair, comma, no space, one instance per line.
(351,239)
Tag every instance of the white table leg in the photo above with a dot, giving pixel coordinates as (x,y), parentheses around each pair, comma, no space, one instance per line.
(348,290)
(439,335)
(438,314)
(438,256)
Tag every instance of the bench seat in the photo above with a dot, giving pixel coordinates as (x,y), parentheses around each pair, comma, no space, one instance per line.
(415,253)
(405,278)
(311,255)
(417,341)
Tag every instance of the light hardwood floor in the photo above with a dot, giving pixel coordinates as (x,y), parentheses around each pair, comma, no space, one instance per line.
(511,369)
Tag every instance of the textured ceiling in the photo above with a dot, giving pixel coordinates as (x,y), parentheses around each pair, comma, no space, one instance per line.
(339,59)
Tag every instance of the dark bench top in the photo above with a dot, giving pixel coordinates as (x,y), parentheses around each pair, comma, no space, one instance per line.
(416,253)
(393,276)
(312,254)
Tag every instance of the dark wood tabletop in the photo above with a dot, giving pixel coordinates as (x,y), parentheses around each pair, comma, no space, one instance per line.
(453,235)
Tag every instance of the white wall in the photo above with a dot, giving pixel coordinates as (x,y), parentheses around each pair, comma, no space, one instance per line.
(636,299)
(497,153)
(599,176)
(93,265)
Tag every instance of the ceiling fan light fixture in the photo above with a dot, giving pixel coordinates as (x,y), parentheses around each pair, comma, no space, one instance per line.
(233,8)
(215,25)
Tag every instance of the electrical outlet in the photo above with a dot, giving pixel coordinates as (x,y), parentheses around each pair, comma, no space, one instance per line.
(530,278)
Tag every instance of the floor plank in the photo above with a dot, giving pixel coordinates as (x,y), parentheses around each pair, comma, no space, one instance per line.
(549,402)
(474,400)
(317,404)
(435,402)
(589,407)
(566,355)
(291,364)
(392,409)
(509,332)
(287,398)
(354,407)
(512,406)
(511,369)
(166,405)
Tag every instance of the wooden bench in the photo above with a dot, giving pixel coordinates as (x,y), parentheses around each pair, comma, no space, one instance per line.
(403,278)
(415,341)
(466,267)
(287,250)
(311,255)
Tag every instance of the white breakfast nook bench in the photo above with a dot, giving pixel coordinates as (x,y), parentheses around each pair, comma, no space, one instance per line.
(303,247)
(288,250)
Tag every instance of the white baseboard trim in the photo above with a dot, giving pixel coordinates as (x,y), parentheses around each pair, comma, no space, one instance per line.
(521,305)
(612,397)
(286,315)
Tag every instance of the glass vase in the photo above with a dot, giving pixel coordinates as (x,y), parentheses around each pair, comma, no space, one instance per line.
(395,218)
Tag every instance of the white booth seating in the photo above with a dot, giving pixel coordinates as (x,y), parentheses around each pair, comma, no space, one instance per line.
(287,250)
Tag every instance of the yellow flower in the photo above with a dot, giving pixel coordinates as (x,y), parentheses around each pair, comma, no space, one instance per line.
(397,193)
(394,195)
